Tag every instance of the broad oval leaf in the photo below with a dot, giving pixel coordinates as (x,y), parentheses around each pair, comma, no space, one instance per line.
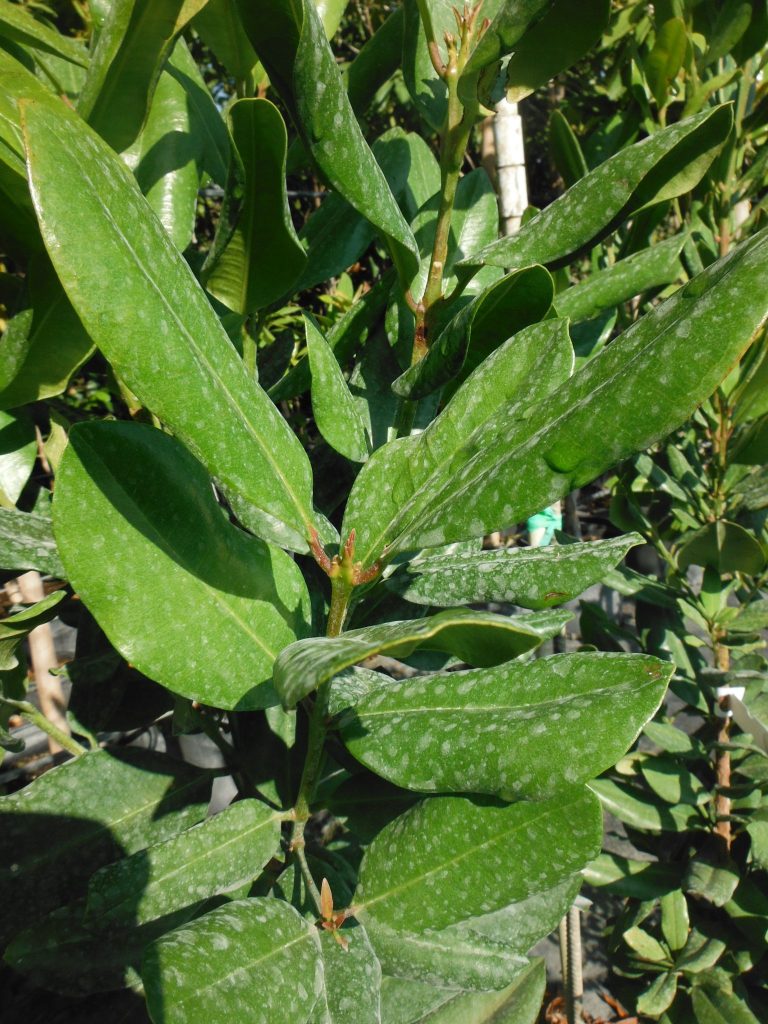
(54,835)
(133,505)
(262,257)
(153,321)
(258,953)
(481,638)
(530,577)
(517,729)
(666,165)
(451,858)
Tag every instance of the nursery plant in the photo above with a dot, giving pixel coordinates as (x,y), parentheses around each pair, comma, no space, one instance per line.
(397,845)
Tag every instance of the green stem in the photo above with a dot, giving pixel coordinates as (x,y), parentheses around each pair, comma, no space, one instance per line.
(37,718)
(308,879)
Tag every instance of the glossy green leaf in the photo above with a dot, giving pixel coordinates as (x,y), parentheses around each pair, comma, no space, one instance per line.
(632,276)
(290,41)
(669,738)
(258,953)
(565,33)
(334,408)
(220,413)
(18,451)
(55,835)
(402,477)
(640,811)
(663,63)
(566,150)
(27,542)
(717,1006)
(530,577)
(416,1003)
(217,856)
(520,299)
(133,505)
(640,879)
(726,547)
(666,165)
(219,25)
(263,257)
(480,953)
(133,45)
(636,391)
(43,345)
(516,729)
(352,981)
(19,25)
(449,859)
(482,638)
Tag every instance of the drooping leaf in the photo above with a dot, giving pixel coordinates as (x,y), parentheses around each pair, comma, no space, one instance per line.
(290,42)
(651,268)
(518,300)
(132,47)
(482,856)
(217,856)
(480,637)
(666,165)
(521,729)
(351,981)
(565,33)
(258,953)
(334,408)
(262,257)
(54,834)
(220,413)
(531,577)
(132,504)
(400,478)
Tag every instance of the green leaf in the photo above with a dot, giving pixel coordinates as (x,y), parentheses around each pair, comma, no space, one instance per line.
(716,1006)
(522,729)
(518,300)
(479,637)
(15,628)
(674,920)
(131,503)
(726,547)
(732,21)
(18,452)
(663,63)
(262,257)
(674,783)
(352,981)
(645,945)
(659,995)
(640,811)
(531,577)
(566,151)
(18,25)
(481,953)
(650,268)
(336,414)
(640,879)
(290,41)
(715,881)
(666,165)
(481,856)
(563,36)
(400,479)
(225,417)
(669,738)
(219,25)
(43,345)
(55,834)
(416,1003)
(258,953)
(634,392)
(700,953)
(132,47)
(217,856)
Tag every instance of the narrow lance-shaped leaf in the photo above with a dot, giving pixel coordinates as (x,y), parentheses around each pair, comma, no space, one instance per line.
(290,41)
(531,577)
(258,953)
(217,856)
(566,152)
(650,268)
(336,414)
(664,166)
(219,25)
(666,58)
(132,48)
(262,257)
(479,637)
(18,24)
(654,375)
(155,325)
(481,856)
(132,504)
